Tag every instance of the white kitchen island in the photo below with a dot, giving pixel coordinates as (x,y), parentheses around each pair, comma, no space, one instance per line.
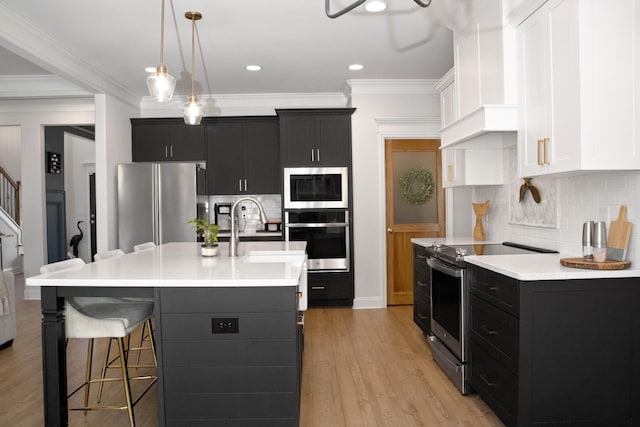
(248,375)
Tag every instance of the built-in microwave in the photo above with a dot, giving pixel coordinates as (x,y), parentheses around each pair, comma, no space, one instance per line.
(316,188)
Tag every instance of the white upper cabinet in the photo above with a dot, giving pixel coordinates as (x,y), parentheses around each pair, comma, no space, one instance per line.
(485,88)
(472,167)
(579,89)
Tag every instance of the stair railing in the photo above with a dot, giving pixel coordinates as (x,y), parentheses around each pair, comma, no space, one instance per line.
(10,195)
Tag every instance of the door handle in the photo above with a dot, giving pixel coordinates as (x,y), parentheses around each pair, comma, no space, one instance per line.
(544,147)
(540,142)
(389,230)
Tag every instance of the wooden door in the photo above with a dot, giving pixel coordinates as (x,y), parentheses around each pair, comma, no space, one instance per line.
(414,208)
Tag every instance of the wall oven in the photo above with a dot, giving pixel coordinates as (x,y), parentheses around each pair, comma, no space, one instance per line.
(316,188)
(326,233)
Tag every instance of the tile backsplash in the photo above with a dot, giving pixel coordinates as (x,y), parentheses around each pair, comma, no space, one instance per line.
(590,196)
(272,205)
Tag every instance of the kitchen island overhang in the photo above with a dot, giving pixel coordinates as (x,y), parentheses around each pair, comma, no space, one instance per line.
(190,291)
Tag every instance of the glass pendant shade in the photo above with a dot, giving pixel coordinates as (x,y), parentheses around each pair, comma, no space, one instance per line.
(161,84)
(193,111)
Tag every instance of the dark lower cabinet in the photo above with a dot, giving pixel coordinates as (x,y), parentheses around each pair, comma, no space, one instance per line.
(166,139)
(549,353)
(245,377)
(330,289)
(421,290)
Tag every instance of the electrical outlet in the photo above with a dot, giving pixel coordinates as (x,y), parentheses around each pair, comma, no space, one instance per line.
(224,325)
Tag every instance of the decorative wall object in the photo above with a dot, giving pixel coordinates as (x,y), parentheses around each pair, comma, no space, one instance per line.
(527,211)
(480,209)
(54,162)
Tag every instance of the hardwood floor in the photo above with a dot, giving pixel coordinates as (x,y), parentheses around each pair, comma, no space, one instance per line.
(360,368)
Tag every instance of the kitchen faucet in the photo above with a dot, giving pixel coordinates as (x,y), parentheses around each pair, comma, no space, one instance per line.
(234,238)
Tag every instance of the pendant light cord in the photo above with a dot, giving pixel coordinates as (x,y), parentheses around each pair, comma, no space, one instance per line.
(193,56)
(162,34)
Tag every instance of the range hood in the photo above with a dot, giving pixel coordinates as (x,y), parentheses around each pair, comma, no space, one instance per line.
(482,128)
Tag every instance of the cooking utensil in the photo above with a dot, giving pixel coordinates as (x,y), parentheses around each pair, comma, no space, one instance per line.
(619,234)
(587,240)
(600,241)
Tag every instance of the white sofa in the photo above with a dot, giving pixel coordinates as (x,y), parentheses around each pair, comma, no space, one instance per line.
(8,321)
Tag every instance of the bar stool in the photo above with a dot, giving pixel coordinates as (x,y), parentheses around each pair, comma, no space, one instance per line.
(143,246)
(147,327)
(103,317)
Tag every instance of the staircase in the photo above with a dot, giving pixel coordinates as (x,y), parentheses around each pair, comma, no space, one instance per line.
(10,222)
(10,195)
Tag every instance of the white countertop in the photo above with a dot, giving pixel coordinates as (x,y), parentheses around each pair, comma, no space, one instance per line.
(428,241)
(542,267)
(527,267)
(180,264)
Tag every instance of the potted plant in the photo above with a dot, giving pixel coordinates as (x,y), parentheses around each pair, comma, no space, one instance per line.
(210,235)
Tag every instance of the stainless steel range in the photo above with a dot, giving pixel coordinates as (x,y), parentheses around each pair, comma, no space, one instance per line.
(449,303)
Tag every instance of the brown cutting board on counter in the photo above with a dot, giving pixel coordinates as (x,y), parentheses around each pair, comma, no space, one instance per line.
(618,236)
(592,265)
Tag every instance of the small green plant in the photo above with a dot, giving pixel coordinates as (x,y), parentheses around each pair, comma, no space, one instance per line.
(209,230)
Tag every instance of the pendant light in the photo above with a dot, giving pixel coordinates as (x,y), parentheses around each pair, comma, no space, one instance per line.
(161,84)
(193,110)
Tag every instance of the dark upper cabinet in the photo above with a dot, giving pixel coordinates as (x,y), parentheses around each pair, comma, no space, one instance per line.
(243,155)
(164,140)
(315,137)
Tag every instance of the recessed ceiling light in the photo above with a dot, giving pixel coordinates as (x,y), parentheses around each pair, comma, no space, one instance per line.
(356,67)
(253,68)
(375,6)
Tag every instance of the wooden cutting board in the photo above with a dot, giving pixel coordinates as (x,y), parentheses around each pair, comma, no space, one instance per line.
(618,236)
(592,265)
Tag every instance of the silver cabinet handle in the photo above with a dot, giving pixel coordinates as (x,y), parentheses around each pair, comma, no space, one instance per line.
(166,151)
(239,185)
(318,154)
(245,184)
(171,150)
(313,155)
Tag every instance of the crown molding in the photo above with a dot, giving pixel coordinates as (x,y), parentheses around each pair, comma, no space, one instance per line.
(24,39)
(391,86)
(252,104)
(44,86)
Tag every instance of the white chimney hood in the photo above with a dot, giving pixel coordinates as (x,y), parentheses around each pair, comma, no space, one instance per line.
(482,128)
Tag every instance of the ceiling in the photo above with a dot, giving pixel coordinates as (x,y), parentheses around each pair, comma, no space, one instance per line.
(104,46)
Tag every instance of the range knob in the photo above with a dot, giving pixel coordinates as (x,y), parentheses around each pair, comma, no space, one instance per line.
(461,251)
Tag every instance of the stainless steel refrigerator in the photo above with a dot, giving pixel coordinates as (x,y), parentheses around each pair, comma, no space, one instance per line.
(155,201)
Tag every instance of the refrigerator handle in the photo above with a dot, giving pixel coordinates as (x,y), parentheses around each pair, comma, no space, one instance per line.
(157,216)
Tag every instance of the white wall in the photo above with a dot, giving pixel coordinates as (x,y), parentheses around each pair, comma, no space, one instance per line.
(10,151)
(113,146)
(381,114)
(32,116)
(595,196)
(80,157)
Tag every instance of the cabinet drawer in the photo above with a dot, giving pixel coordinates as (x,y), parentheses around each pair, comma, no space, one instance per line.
(494,288)
(420,258)
(496,331)
(422,309)
(326,286)
(495,384)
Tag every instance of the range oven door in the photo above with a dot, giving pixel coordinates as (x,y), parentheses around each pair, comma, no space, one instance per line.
(326,234)
(448,302)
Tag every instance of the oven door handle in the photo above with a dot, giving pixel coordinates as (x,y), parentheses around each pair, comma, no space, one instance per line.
(444,268)
(318,225)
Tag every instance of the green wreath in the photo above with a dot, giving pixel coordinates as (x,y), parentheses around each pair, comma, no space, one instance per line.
(416,186)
